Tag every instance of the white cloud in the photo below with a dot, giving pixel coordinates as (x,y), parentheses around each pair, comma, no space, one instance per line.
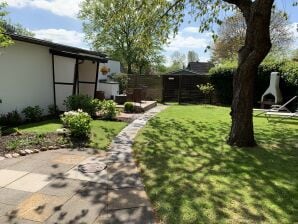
(69,8)
(62,36)
(180,42)
(191,29)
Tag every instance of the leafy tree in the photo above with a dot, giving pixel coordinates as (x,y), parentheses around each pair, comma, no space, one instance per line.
(178,60)
(207,89)
(257,44)
(131,31)
(5,40)
(192,56)
(231,35)
(17,29)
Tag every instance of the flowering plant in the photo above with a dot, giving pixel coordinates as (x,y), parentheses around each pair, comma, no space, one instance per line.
(78,122)
(104,69)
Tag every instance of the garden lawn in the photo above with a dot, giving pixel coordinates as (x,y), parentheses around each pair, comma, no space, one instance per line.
(102,132)
(193,176)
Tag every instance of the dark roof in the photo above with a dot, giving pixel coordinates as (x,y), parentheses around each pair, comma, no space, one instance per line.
(183,72)
(59,47)
(200,67)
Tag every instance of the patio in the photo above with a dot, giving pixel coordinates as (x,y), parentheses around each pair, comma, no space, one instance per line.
(48,187)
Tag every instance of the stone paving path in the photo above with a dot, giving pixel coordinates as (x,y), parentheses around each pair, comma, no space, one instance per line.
(49,188)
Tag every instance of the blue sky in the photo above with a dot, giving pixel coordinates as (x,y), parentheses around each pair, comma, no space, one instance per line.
(56,20)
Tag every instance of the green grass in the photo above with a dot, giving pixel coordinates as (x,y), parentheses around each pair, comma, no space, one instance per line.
(102,132)
(193,176)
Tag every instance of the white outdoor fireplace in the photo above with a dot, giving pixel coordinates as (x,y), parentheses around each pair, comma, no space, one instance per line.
(273,89)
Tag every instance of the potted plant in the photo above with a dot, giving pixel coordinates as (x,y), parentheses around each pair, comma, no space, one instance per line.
(104,70)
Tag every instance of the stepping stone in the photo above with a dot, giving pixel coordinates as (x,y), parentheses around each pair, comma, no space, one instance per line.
(123,175)
(142,215)
(27,165)
(12,197)
(127,198)
(2,158)
(8,176)
(31,182)
(53,169)
(69,159)
(39,207)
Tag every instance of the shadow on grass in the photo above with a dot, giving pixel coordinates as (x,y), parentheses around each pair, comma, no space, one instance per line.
(192,176)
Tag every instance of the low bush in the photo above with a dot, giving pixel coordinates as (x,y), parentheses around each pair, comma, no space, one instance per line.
(53,110)
(32,114)
(78,122)
(83,102)
(128,107)
(12,118)
(108,109)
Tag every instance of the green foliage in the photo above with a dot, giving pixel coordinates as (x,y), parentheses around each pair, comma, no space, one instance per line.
(108,109)
(83,102)
(122,79)
(78,122)
(32,114)
(128,107)
(131,31)
(17,29)
(53,110)
(11,118)
(206,88)
(5,40)
(222,78)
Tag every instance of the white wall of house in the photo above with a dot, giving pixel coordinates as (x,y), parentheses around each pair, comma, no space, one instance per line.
(64,72)
(25,77)
(87,73)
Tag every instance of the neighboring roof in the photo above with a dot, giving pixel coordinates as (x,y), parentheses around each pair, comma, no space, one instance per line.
(200,67)
(183,72)
(59,47)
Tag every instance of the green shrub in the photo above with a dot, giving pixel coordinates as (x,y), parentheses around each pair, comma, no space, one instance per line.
(53,110)
(108,109)
(207,89)
(128,107)
(78,122)
(33,114)
(83,102)
(11,118)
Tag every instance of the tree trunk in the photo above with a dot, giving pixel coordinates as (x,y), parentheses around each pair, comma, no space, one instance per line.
(129,68)
(257,45)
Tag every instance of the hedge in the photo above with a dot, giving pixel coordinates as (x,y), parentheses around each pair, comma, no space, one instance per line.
(221,77)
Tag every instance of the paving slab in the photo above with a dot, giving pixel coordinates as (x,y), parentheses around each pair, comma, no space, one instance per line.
(39,207)
(79,210)
(44,156)
(31,182)
(127,198)
(78,151)
(122,175)
(7,162)
(5,209)
(8,176)
(141,215)
(75,173)
(52,168)
(62,187)
(27,164)
(12,197)
(69,159)
(10,219)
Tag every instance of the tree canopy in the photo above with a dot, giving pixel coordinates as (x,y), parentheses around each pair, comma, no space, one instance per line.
(4,39)
(130,31)
(231,35)
(192,56)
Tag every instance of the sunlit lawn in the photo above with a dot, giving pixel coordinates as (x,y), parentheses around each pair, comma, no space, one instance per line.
(193,176)
(102,132)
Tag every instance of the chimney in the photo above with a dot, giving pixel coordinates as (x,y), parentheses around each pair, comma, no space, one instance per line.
(273,88)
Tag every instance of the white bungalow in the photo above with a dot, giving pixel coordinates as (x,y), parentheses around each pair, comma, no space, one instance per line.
(38,72)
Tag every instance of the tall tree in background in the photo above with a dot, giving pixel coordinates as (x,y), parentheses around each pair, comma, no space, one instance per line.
(257,44)
(131,31)
(231,35)
(5,40)
(178,60)
(192,56)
